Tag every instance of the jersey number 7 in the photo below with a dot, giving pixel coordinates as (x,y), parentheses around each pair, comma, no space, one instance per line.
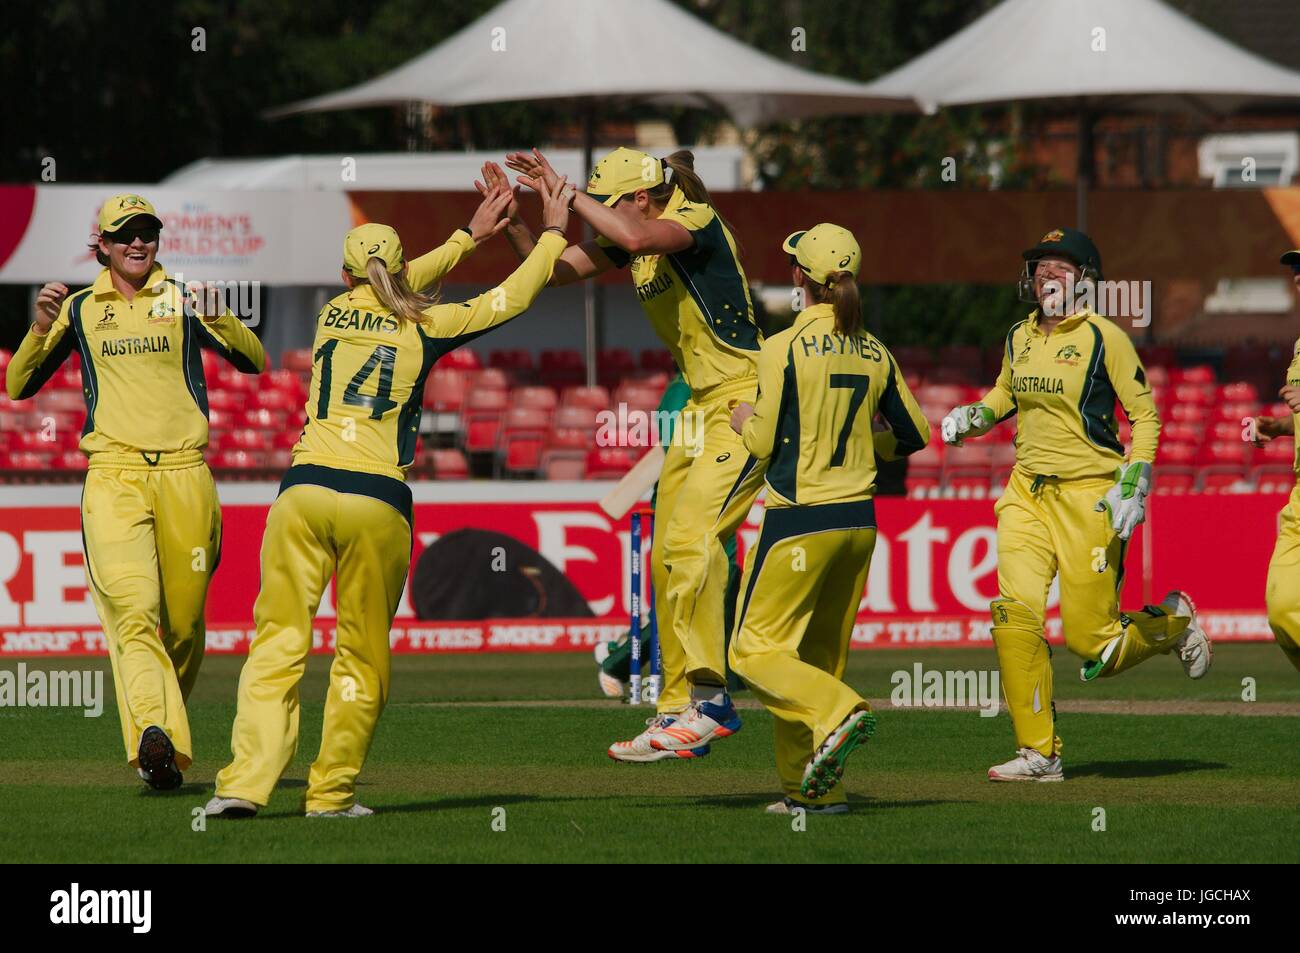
(383,357)
(859,384)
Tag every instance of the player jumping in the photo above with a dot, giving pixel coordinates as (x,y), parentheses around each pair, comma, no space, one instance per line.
(1073,499)
(655,215)
(821,384)
(344,508)
(1282,595)
(151,522)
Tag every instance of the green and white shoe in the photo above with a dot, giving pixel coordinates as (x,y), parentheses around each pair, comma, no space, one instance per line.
(827,765)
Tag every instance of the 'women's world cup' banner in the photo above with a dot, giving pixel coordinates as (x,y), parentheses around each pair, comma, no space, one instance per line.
(503,566)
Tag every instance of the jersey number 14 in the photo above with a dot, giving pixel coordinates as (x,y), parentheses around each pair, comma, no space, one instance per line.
(383,358)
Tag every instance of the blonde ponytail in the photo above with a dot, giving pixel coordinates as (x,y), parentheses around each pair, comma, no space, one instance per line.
(395,294)
(841,293)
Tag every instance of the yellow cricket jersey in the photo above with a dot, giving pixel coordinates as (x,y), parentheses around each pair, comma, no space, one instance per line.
(697,300)
(1293,378)
(818,393)
(367,387)
(141,369)
(1063,386)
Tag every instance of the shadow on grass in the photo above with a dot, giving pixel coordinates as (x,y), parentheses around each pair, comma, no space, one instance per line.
(1140,769)
(751,801)
(422,807)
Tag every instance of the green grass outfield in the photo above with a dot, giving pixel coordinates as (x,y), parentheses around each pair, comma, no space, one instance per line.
(1185,771)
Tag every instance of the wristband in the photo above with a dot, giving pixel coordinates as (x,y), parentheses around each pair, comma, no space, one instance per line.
(465,229)
(554,228)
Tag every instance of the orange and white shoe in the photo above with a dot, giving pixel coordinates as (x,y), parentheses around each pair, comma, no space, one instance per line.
(639,749)
(697,726)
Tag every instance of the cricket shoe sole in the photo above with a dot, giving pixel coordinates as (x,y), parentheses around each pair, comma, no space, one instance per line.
(789,805)
(826,768)
(1194,648)
(157,759)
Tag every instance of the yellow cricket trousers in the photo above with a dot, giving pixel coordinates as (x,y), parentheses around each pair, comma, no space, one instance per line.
(706,489)
(358,526)
(1048,526)
(799,599)
(152,538)
(1282,594)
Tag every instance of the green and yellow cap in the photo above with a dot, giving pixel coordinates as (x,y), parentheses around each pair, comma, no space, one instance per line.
(823,250)
(372,240)
(622,171)
(120,209)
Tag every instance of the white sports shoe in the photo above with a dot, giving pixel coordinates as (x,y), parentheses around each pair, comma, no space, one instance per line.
(1028,765)
(1193,646)
(789,805)
(639,748)
(356,810)
(230,807)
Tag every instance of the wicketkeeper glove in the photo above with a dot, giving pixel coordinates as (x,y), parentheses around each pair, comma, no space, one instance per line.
(968,420)
(1126,501)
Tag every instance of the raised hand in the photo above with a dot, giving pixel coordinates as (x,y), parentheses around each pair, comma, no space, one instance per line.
(49,300)
(533,169)
(555,204)
(490,217)
(1290,393)
(495,179)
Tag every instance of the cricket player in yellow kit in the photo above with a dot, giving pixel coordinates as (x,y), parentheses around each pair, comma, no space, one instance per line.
(344,508)
(1282,594)
(690,282)
(151,523)
(1073,499)
(821,384)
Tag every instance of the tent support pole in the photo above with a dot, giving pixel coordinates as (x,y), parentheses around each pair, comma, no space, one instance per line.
(590,290)
(1084,176)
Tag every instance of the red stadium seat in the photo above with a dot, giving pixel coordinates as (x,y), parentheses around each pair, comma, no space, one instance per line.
(71,460)
(285,439)
(227,400)
(1279,450)
(613,365)
(239,459)
(1197,374)
(609,463)
(1273,478)
(445,390)
(563,466)
(922,488)
(251,440)
(1170,453)
(658,360)
(1238,392)
(1193,394)
(966,488)
(489,378)
(448,464)
(29,461)
(517,363)
(279,458)
(463,358)
(1224,431)
(1158,376)
(594,397)
(297,361)
(1235,410)
(926,463)
(263,419)
(560,368)
(1181,432)
(578,418)
(540,398)
(1187,413)
(1172,483)
(1216,481)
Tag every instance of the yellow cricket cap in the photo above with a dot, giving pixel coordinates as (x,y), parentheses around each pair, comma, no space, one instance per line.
(622,171)
(823,250)
(120,209)
(368,241)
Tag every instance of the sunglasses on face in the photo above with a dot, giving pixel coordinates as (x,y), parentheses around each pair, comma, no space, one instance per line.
(128,235)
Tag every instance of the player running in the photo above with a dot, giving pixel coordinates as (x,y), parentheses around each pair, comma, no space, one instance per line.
(151,522)
(344,508)
(655,215)
(1073,499)
(821,384)
(1282,595)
